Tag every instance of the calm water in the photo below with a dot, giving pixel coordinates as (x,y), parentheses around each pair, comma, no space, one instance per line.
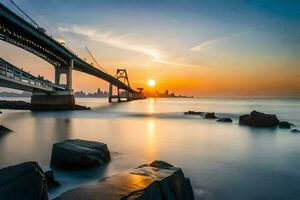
(223,161)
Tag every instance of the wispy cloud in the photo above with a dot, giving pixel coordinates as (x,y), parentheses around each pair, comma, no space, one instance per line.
(117,41)
(205,44)
(125,41)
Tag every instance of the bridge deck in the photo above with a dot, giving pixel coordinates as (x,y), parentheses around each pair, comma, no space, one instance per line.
(15,78)
(19,32)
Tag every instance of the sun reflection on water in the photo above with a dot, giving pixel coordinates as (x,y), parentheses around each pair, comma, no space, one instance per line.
(151,139)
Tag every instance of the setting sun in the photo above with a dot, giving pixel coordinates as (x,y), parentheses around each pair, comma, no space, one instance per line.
(151,83)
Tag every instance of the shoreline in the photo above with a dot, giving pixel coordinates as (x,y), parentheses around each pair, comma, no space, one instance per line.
(22,105)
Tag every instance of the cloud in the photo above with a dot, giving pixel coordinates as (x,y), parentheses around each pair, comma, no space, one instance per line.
(202,46)
(125,41)
(117,41)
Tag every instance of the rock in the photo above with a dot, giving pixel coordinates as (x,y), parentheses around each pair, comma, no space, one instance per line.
(15,105)
(285,125)
(51,182)
(25,181)
(158,180)
(210,116)
(193,113)
(4,130)
(224,120)
(75,153)
(259,119)
(22,105)
(295,130)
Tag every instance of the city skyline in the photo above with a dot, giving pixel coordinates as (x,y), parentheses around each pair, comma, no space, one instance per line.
(194,48)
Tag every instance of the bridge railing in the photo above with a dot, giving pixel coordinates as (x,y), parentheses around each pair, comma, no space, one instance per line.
(12,72)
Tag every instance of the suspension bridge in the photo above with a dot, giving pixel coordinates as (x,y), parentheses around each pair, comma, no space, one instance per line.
(15,30)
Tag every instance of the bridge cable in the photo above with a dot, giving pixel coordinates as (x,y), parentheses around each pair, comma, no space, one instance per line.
(24,13)
(94,58)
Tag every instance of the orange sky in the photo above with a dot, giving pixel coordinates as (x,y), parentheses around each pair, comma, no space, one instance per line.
(209,53)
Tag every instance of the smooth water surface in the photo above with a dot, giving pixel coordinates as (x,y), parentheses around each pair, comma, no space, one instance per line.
(224,161)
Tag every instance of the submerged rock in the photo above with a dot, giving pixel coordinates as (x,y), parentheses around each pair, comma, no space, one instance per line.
(24,181)
(259,119)
(51,182)
(295,130)
(158,180)
(4,130)
(75,153)
(224,120)
(210,115)
(285,125)
(193,113)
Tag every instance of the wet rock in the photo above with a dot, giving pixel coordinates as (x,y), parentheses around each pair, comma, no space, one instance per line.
(25,181)
(51,182)
(158,180)
(295,130)
(193,113)
(285,125)
(224,120)
(258,119)
(210,115)
(15,105)
(75,153)
(22,105)
(4,130)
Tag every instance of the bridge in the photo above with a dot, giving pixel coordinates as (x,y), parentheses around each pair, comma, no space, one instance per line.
(17,31)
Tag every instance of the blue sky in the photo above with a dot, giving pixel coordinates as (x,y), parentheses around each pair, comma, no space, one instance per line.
(182,40)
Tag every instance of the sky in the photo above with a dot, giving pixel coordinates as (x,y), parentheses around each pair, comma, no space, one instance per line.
(191,47)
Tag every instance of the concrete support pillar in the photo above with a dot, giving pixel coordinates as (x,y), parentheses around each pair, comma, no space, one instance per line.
(110,88)
(57,76)
(69,74)
(65,70)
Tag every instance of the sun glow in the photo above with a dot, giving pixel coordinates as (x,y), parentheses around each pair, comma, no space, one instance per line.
(151,83)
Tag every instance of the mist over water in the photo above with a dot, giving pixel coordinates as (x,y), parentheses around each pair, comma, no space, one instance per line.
(224,161)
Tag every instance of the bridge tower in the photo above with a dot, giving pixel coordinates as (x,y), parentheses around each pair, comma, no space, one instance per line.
(122,76)
(56,100)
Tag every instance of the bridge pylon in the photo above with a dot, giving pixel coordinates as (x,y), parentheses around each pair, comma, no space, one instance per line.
(56,100)
(122,95)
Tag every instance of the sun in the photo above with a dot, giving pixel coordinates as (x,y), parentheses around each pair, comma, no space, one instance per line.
(151,83)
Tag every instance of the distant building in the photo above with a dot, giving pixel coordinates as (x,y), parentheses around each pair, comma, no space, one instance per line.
(97,94)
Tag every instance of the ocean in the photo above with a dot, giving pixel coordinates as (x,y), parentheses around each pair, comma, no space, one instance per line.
(224,161)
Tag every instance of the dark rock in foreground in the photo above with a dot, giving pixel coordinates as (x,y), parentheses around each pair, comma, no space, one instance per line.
(285,125)
(51,182)
(259,119)
(224,120)
(193,113)
(156,181)
(22,105)
(76,154)
(210,116)
(23,182)
(295,131)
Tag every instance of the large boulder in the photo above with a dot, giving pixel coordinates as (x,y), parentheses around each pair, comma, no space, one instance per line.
(24,181)
(259,119)
(77,154)
(156,181)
